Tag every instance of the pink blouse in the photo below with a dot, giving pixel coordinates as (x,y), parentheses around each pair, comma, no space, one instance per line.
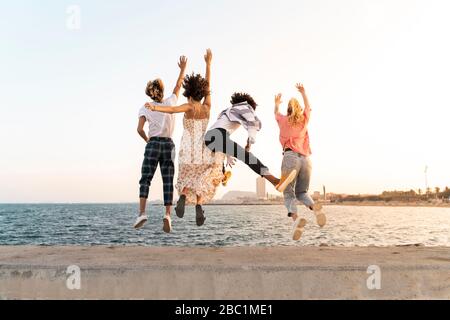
(295,138)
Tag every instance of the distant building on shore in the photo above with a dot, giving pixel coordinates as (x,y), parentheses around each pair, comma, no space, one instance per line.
(261,188)
(232,196)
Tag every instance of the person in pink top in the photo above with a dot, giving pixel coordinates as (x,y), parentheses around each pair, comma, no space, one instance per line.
(294,139)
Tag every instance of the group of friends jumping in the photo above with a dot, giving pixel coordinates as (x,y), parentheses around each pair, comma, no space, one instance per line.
(206,152)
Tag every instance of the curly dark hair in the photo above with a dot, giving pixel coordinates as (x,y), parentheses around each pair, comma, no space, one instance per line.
(155,90)
(239,97)
(195,87)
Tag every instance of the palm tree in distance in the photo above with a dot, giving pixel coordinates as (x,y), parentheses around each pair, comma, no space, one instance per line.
(438,191)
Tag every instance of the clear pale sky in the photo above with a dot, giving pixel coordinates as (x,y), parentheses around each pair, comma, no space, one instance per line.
(377,73)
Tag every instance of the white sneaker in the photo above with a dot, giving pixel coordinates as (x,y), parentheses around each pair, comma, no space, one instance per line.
(167,227)
(298,228)
(285,181)
(140,221)
(320,216)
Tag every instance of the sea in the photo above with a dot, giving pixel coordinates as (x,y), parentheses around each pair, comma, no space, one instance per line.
(225,226)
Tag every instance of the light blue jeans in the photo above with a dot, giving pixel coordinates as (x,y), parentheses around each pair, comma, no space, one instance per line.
(298,189)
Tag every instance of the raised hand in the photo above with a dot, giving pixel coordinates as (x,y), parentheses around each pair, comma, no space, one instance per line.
(182,63)
(300,88)
(278,101)
(231,161)
(208,56)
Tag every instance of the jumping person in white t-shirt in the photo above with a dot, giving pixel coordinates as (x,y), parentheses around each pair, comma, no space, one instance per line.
(160,147)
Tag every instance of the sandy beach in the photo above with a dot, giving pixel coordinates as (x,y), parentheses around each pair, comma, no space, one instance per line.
(28,272)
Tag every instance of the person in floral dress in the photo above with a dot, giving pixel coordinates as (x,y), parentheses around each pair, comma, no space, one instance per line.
(200,170)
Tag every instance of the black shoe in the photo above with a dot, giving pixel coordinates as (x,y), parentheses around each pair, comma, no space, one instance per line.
(180,206)
(199,215)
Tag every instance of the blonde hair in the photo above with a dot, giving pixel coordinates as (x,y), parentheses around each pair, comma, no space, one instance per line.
(295,114)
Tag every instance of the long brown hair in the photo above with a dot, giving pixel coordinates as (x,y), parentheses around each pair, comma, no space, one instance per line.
(295,113)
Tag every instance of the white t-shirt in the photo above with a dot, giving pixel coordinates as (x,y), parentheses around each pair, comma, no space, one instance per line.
(224,123)
(160,124)
(231,126)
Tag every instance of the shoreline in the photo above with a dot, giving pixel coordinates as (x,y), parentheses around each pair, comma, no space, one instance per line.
(388,204)
(344,204)
(292,273)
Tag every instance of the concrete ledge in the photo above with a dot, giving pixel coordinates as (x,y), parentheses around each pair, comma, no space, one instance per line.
(228,273)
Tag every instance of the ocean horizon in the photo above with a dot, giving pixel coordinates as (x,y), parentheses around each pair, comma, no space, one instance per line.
(225,226)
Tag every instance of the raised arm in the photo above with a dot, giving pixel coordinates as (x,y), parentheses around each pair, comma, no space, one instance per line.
(182,64)
(172,109)
(307,112)
(208,59)
(278,102)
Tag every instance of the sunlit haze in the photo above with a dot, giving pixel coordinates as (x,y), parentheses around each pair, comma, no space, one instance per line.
(377,74)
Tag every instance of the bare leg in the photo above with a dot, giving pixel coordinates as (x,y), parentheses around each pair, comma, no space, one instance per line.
(142,205)
(199,200)
(168,210)
(273,180)
(294,216)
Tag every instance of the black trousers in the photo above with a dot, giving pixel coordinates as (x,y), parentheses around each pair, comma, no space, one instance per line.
(218,140)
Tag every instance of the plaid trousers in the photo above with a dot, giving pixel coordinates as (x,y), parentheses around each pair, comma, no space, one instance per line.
(162,151)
